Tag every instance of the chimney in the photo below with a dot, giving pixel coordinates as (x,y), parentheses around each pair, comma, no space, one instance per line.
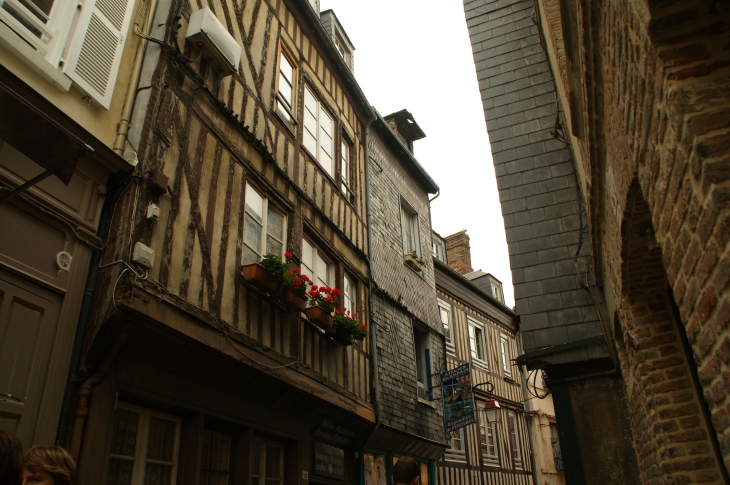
(458,252)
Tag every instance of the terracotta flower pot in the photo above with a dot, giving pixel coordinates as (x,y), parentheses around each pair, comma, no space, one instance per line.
(256,275)
(295,301)
(323,320)
(343,337)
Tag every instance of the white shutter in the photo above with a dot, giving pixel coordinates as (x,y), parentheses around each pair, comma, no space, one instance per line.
(96,48)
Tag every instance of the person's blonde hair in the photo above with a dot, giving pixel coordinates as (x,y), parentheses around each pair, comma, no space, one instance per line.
(53,460)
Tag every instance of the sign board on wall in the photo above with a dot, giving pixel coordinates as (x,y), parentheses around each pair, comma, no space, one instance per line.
(329,461)
(458,398)
(332,433)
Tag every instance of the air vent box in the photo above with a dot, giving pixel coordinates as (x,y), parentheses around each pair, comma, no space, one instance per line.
(207,33)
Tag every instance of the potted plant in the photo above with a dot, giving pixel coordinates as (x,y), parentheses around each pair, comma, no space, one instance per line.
(413,261)
(266,275)
(348,328)
(322,302)
(295,285)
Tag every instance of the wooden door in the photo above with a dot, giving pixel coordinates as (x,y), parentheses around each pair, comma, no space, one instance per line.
(29,317)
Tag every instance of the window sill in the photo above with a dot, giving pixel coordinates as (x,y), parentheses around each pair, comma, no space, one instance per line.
(488,462)
(286,124)
(35,61)
(480,365)
(330,177)
(427,403)
(509,380)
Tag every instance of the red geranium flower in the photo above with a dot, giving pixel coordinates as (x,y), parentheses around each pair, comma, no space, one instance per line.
(363,326)
(296,270)
(287,254)
(329,299)
(354,314)
(336,292)
(297,283)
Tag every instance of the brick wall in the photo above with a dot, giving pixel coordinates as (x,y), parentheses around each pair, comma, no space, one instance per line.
(458,252)
(651,94)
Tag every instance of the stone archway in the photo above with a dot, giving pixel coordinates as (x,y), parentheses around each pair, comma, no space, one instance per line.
(673,435)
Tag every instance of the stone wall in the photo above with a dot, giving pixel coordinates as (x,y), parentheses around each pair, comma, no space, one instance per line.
(643,94)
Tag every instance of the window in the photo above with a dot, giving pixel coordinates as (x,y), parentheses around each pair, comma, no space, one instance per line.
(422,342)
(476,343)
(349,293)
(263,228)
(488,441)
(144,447)
(504,350)
(345,174)
(318,132)
(285,95)
(319,270)
(267,463)
(409,226)
(37,31)
(438,250)
(215,460)
(445,313)
(456,450)
(555,441)
(514,439)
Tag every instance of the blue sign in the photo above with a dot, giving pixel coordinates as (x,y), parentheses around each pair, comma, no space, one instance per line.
(458,398)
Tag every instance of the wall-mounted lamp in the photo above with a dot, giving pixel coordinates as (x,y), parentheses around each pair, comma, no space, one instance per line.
(491,409)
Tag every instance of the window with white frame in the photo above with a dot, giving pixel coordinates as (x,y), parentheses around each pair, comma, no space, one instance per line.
(320,270)
(422,344)
(456,450)
(488,441)
(409,229)
(285,94)
(505,353)
(144,447)
(345,174)
(349,293)
(445,314)
(318,132)
(514,439)
(264,228)
(267,462)
(38,32)
(477,342)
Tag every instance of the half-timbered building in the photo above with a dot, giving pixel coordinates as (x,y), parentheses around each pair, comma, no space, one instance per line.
(482,331)
(191,375)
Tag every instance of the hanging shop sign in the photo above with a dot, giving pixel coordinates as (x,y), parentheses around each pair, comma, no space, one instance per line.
(329,432)
(329,461)
(458,398)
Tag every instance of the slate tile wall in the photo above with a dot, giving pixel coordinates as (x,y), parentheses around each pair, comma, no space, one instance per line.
(545,224)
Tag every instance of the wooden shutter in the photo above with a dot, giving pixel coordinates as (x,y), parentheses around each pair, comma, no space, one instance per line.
(96,48)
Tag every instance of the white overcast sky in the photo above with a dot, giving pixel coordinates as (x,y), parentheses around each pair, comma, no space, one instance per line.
(416,54)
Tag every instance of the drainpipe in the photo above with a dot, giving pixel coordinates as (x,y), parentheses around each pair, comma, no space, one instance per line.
(373,340)
(113,184)
(125,123)
(82,408)
(528,413)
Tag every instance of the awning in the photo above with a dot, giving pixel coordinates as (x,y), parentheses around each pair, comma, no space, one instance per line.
(38,137)
(390,439)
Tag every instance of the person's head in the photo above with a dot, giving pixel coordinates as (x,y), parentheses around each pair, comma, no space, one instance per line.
(406,472)
(48,466)
(11,459)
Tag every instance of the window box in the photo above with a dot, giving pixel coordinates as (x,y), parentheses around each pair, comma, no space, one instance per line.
(320,318)
(413,261)
(256,275)
(294,300)
(344,337)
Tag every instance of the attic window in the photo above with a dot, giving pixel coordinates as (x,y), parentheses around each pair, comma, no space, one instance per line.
(342,47)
